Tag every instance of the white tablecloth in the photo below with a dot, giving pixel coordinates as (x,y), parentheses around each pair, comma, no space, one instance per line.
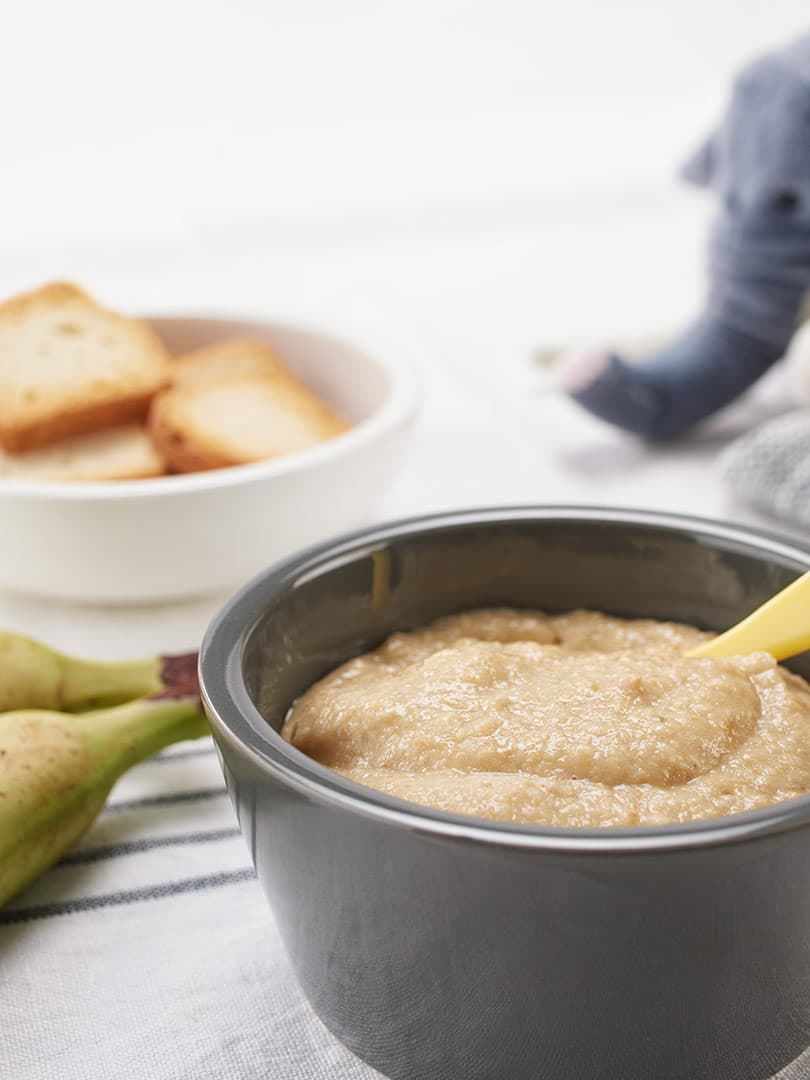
(149,951)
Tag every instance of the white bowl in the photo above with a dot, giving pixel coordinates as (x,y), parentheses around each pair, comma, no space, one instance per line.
(176,536)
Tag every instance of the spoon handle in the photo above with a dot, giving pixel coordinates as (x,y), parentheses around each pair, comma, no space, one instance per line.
(780,627)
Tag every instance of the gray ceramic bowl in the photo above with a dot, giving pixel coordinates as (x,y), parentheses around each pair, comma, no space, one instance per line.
(440,947)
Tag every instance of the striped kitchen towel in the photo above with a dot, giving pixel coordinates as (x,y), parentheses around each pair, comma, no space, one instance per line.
(149,952)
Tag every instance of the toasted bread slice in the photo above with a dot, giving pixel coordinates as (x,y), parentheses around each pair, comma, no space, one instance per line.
(69,367)
(215,423)
(226,359)
(124,453)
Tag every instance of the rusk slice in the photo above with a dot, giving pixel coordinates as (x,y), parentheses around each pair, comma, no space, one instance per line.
(225,359)
(69,367)
(216,423)
(123,453)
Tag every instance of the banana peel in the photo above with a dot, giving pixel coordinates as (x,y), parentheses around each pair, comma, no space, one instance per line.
(56,771)
(35,676)
(56,767)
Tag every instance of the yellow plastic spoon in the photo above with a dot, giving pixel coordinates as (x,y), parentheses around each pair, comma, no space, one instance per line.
(780,627)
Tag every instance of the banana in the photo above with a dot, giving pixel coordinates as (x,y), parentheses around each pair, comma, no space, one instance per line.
(34,676)
(56,771)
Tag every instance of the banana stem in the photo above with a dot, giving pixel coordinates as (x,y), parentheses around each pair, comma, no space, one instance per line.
(135,731)
(35,676)
(89,684)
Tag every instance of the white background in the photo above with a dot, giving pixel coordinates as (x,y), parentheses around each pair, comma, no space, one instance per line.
(175,117)
(234,151)
(486,177)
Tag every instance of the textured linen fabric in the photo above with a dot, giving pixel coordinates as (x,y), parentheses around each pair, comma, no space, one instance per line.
(149,953)
(770,467)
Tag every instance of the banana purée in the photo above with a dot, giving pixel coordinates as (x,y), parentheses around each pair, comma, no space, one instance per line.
(579,720)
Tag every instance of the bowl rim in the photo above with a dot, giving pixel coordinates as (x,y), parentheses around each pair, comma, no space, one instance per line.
(398,408)
(237,722)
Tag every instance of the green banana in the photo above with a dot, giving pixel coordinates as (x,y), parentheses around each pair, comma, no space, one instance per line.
(34,676)
(56,771)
